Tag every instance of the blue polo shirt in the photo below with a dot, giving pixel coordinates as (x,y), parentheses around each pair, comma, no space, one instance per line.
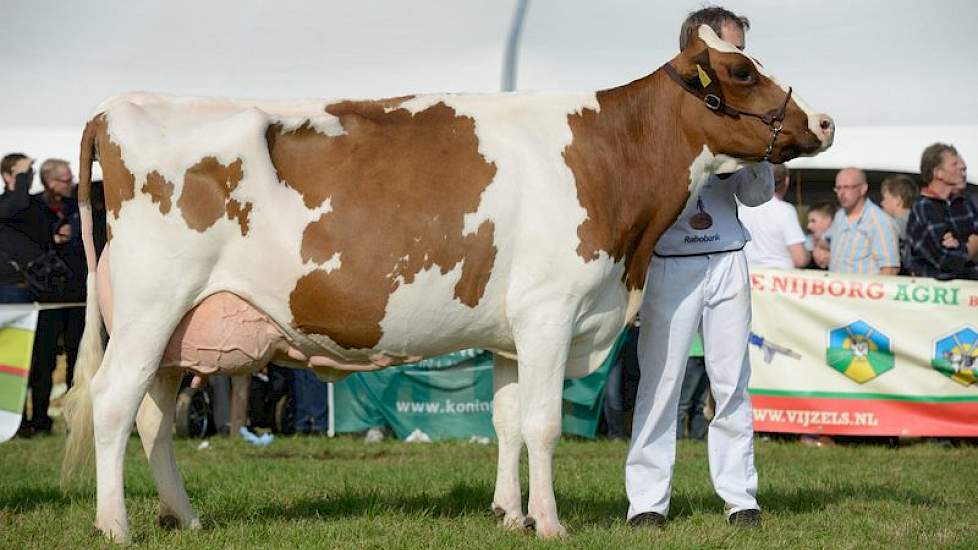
(865,245)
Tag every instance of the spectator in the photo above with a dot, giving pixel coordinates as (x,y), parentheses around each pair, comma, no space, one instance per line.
(311,405)
(819,220)
(24,228)
(692,422)
(631,371)
(27,228)
(776,238)
(614,395)
(899,192)
(698,273)
(231,394)
(862,239)
(63,324)
(942,231)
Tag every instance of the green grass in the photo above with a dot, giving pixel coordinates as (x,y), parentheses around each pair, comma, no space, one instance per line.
(341,493)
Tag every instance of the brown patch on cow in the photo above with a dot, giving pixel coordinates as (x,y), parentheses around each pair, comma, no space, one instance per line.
(399,186)
(477,268)
(299,165)
(119,183)
(631,168)
(631,158)
(241,213)
(159,190)
(207,187)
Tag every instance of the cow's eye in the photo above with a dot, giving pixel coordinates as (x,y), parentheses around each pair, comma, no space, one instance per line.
(742,73)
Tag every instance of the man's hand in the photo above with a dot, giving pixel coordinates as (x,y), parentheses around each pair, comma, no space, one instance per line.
(972,246)
(63,234)
(822,257)
(948,241)
(21,166)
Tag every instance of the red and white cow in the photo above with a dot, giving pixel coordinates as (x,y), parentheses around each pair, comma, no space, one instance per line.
(354,235)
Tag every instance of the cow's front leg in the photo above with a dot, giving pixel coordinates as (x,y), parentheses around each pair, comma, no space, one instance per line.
(507,503)
(542,345)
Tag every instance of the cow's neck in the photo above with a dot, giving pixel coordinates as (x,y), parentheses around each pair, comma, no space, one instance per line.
(631,164)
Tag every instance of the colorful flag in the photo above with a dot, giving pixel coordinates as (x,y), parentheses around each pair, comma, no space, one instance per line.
(17,324)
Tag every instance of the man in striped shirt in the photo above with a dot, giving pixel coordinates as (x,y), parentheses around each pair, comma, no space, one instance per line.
(863,238)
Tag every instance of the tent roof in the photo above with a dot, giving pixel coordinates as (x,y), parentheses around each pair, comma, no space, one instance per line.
(895,74)
(893,148)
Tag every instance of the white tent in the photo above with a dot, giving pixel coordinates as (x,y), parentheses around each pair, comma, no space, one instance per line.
(896,74)
(892,148)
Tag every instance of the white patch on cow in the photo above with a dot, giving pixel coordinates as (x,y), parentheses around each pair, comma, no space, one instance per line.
(720,45)
(715,42)
(705,165)
(323,123)
(332,264)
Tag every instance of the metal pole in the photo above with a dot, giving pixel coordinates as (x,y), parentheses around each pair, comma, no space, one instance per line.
(512,45)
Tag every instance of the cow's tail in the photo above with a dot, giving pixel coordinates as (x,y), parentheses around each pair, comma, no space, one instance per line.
(77,407)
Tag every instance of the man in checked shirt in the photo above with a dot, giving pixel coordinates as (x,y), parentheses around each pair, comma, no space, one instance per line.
(942,231)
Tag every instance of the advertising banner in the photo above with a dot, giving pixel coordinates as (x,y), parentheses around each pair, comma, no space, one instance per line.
(863,355)
(17,323)
(451,397)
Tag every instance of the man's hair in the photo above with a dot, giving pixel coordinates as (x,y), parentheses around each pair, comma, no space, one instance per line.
(826,208)
(49,166)
(8,162)
(781,173)
(714,16)
(932,158)
(901,186)
(859,173)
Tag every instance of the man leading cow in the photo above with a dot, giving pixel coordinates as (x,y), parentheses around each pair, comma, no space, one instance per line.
(699,277)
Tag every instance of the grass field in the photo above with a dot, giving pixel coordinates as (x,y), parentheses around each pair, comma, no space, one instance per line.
(342,493)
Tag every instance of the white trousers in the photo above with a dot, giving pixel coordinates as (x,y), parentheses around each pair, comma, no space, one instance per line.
(681,293)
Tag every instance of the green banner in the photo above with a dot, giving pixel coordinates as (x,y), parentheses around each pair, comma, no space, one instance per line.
(451,397)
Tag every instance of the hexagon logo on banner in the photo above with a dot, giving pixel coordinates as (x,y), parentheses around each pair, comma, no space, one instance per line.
(955,356)
(859,351)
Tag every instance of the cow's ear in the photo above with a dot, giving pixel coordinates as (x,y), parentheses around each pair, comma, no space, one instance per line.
(689,63)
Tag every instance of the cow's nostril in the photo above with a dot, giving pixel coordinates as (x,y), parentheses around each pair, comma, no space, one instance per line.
(826,124)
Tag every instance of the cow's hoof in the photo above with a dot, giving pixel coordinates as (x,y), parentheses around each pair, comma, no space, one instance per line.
(546,530)
(118,537)
(169,522)
(510,521)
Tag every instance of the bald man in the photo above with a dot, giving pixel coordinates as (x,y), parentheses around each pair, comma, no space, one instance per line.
(863,238)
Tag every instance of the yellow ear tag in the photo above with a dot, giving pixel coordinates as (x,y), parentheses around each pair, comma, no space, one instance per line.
(704,78)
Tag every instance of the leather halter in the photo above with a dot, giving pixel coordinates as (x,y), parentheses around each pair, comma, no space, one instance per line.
(712,97)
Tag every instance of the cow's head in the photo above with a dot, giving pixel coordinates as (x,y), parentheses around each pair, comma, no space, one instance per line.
(739,110)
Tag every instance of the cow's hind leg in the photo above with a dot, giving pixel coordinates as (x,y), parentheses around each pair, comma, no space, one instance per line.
(131,361)
(507,502)
(542,344)
(155,424)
